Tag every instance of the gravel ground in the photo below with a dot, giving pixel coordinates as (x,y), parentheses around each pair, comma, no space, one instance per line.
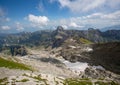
(48,69)
(43,64)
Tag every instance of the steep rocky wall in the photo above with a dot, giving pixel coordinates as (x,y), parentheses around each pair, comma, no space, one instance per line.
(18,50)
(107,55)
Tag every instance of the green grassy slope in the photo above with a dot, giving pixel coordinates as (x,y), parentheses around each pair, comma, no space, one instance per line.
(13,65)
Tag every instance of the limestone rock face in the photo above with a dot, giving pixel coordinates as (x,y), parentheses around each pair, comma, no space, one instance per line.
(59,36)
(96,73)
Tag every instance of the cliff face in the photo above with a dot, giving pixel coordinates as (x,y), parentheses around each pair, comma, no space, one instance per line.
(107,55)
(14,50)
(58,36)
(18,50)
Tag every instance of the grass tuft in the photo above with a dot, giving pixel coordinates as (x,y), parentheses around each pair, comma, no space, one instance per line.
(106,83)
(77,82)
(24,80)
(3,80)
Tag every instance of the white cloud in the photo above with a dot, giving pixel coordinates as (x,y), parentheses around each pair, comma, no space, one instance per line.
(19,26)
(38,20)
(88,5)
(65,26)
(92,16)
(81,5)
(114,15)
(69,23)
(98,20)
(73,24)
(5,27)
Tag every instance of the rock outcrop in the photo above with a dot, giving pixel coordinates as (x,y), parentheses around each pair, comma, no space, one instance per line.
(18,50)
(104,54)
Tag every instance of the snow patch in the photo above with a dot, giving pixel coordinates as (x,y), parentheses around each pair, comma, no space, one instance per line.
(99,67)
(77,66)
(88,49)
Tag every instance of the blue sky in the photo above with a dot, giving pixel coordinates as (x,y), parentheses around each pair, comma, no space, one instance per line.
(32,15)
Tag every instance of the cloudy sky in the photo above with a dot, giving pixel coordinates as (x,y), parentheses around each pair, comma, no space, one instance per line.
(32,15)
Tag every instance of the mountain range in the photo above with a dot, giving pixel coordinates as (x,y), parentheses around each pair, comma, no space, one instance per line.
(56,37)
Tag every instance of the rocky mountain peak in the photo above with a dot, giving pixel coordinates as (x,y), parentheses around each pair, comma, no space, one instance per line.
(90,29)
(60,28)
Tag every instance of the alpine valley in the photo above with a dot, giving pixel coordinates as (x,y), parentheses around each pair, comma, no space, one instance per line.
(60,57)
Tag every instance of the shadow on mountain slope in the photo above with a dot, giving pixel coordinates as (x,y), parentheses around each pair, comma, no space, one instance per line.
(107,55)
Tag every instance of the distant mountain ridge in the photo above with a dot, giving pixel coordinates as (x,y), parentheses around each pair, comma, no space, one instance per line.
(58,36)
(115,27)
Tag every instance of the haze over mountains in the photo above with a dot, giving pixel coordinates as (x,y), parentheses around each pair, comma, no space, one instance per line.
(115,27)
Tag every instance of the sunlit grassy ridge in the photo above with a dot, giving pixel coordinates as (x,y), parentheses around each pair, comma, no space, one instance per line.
(13,65)
(85,41)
